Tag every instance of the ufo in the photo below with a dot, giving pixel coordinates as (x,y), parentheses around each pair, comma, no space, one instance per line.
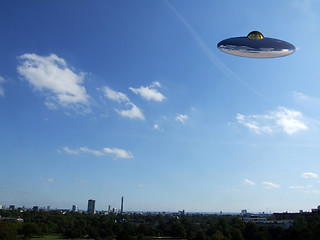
(255,45)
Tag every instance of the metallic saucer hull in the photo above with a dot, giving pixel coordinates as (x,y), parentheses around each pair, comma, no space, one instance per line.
(264,48)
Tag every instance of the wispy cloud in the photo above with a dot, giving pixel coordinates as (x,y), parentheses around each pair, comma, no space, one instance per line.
(314,191)
(140,186)
(270,185)
(300,187)
(118,153)
(70,151)
(307,101)
(298,96)
(308,175)
(81,180)
(95,152)
(2,80)
(283,119)
(50,180)
(120,97)
(115,96)
(247,181)
(149,92)
(51,74)
(182,118)
(208,51)
(156,126)
(115,152)
(134,112)
(297,187)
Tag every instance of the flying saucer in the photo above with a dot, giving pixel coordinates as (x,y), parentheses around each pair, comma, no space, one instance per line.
(255,45)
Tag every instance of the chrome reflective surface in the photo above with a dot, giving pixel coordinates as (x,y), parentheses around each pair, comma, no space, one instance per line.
(255,45)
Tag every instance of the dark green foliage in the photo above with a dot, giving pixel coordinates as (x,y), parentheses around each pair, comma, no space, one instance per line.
(8,230)
(144,227)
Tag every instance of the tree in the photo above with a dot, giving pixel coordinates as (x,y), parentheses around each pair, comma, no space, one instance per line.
(8,230)
(178,230)
(218,236)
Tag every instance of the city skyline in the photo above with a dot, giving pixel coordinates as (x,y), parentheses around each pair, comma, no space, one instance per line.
(104,99)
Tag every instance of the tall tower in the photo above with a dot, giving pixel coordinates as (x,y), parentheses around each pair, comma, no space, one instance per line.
(91,206)
(121,211)
(74,208)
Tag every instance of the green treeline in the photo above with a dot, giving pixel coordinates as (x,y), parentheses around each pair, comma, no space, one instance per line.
(137,226)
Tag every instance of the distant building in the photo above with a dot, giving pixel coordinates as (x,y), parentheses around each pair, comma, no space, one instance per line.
(35,208)
(74,208)
(244,212)
(0,206)
(262,221)
(11,219)
(181,212)
(91,206)
(109,209)
(121,211)
(114,210)
(12,207)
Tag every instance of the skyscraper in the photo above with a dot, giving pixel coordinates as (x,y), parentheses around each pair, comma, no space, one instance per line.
(91,206)
(121,211)
(74,208)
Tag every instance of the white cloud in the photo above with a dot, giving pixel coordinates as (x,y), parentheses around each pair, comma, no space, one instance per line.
(134,112)
(289,120)
(156,126)
(296,187)
(81,180)
(68,150)
(155,84)
(247,181)
(252,124)
(116,96)
(283,119)
(95,152)
(118,153)
(120,97)
(313,191)
(2,80)
(149,92)
(270,185)
(182,118)
(309,175)
(298,96)
(140,186)
(50,180)
(51,74)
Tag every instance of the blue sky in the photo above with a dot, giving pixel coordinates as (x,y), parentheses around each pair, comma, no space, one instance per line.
(104,99)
